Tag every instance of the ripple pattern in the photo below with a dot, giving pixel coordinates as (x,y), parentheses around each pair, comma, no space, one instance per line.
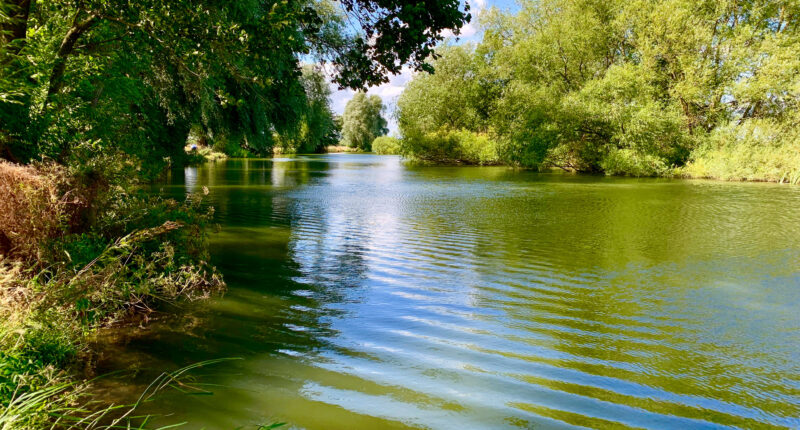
(492,298)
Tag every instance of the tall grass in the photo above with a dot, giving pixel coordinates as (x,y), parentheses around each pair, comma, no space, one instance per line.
(756,150)
(79,251)
(68,406)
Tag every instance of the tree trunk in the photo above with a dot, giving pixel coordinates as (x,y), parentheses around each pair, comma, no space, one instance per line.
(14,31)
(64,51)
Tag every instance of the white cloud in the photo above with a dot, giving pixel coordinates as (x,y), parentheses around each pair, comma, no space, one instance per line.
(468,30)
(339,98)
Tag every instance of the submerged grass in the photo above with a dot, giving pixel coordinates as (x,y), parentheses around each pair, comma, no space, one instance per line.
(67,405)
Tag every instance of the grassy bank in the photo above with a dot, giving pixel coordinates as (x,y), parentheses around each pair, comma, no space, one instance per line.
(80,252)
(766,154)
(340,148)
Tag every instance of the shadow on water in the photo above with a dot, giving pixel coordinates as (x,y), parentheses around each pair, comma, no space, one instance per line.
(368,294)
(277,304)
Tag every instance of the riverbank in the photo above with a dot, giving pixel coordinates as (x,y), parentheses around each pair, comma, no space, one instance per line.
(724,160)
(81,250)
(341,148)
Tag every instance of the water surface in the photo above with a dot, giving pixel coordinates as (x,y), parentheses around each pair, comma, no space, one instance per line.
(367,294)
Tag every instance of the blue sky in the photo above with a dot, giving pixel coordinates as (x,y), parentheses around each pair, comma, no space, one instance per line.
(391,90)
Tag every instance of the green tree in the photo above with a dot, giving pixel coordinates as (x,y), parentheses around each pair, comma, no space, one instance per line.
(639,87)
(363,121)
(95,76)
(386,145)
(317,126)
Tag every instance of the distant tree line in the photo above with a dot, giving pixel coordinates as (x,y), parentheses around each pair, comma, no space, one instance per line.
(643,87)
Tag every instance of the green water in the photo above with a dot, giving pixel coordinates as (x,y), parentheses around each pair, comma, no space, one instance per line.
(366,294)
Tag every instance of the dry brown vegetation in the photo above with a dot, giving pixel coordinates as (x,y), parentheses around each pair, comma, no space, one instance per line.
(37,203)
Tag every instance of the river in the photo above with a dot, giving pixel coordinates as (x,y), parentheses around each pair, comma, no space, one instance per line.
(366,294)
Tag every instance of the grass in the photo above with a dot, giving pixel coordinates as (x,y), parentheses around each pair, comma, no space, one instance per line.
(757,150)
(79,252)
(340,148)
(68,405)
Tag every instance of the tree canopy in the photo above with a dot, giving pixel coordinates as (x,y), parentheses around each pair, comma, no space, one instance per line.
(363,121)
(636,87)
(89,76)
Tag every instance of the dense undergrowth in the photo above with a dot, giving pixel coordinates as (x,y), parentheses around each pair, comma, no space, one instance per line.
(78,252)
(386,145)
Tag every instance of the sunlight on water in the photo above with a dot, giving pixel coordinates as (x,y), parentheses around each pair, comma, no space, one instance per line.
(368,294)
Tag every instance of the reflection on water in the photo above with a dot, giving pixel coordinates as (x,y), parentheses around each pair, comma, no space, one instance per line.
(367,294)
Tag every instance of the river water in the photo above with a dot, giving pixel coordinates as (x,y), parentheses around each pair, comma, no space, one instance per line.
(368,294)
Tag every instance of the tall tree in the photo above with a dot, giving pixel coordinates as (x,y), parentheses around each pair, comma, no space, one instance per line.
(617,86)
(78,76)
(363,121)
(318,126)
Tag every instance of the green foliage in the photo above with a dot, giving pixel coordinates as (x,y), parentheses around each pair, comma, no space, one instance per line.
(620,87)
(318,126)
(105,253)
(363,121)
(386,145)
(33,397)
(632,163)
(460,146)
(137,76)
(111,91)
(394,34)
(758,149)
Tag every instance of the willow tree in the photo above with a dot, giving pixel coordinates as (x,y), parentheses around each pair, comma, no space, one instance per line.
(363,121)
(633,87)
(95,76)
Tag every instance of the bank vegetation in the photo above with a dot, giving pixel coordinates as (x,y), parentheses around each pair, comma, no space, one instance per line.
(646,88)
(98,98)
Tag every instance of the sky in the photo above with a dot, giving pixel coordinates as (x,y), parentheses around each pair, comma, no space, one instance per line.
(390,91)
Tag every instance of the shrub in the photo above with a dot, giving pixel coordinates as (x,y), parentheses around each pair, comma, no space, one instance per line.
(37,203)
(632,163)
(230,148)
(756,150)
(460,146)
(201,154)
(69,267)
(386,145)
(82,251)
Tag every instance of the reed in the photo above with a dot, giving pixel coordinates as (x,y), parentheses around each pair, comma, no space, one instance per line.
(69,405)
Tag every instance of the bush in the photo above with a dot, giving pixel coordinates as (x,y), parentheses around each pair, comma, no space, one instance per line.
(629,162)
(201,154)
(81,251)
(386,145)
(461,146)
(37,203)
(225,145)
(134,251)
(756,150)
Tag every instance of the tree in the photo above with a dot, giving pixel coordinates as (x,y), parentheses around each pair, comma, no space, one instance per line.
(111,75)
(317,127)
(616,86)
(363,121)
